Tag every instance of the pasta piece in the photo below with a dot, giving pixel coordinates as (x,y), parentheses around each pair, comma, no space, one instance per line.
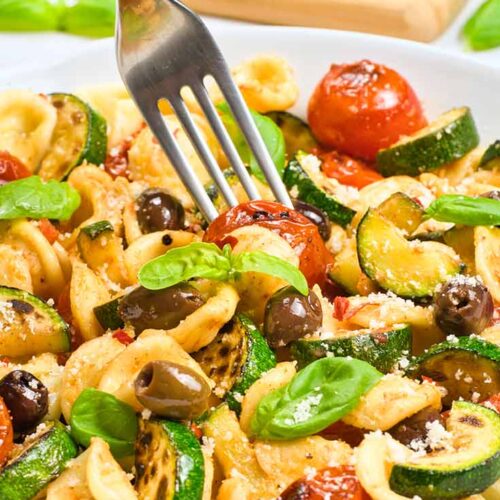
(267,83)
(152,245)
(86,292)
(105,478)
(152,345)
(392,400)
(85,367)
(256,288)
(275,378)
(234,488)
(15,269)
(45,368)
(492,334)
(374,463)
(461,169)
(27,121)
(130,223)
(209,472)
(487,243)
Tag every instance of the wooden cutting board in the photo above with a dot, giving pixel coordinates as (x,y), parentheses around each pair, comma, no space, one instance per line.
(422,20)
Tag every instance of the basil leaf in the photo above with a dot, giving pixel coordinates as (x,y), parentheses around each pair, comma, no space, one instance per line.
(482,30)
(30,197)
(270,132)
(317,396)
(465,210)
(196,260)
(97,413)
(29,15)
(89,18)
(261,262)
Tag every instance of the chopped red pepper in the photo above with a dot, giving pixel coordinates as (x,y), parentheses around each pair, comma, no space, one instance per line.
(122,336)
(48,230)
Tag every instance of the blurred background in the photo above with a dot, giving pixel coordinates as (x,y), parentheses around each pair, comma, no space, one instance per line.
(37,32)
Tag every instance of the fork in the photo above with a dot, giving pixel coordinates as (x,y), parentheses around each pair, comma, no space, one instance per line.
(163,47)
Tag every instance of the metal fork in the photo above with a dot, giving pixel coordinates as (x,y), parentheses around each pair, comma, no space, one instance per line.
(163,47)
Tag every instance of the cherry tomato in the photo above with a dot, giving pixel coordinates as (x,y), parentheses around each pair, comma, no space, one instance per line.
(63,307)
(11,168)
(6,433)
(493,402)
(116,162)
(363,107)
(334,483)
(122,336)
(348,171)
(48,230)
(295,228)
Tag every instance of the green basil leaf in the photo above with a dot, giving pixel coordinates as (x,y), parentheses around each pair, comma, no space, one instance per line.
(261,262)
(317,396)
(30,197)
(270,132)
(97,413)
(196,260)
(465,210)
(29,15)
(89,18)
(482,30)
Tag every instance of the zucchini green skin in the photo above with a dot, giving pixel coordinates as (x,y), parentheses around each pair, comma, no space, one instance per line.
(447,139)
(491,157)
(169,461)
(97,228)
(108,316)
(38,464)
(296,176)
(213,192)
(474,357)
(235,359)
(454,480)
(54,333)
(297,133)
(381,349)
(91,147)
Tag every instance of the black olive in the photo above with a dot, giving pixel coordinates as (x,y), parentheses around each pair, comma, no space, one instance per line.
(26,398)
(463,306)
(290,315)
(172,390)
(159,309)
(494,195)
(157,210)
(316,216)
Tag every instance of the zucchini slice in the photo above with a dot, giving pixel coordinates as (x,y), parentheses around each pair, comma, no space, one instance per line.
(214,194)
(29,325)
(469,463)
(308,191)
(447,139)
(461,239)
(41,459)
(405,213)
(491,157)
(169,461)
(108,316)
(79,135)
(97,228)
(382,348)
(297,133)
(407,268)
(345,270)
(235,359)
(469,368)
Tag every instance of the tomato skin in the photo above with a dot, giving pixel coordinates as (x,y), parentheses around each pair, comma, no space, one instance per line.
(301,234)
(48,230)
(347,170)
(493,401)
(122,336)
(11,168)
(362,107)
(6,433)
(334,483)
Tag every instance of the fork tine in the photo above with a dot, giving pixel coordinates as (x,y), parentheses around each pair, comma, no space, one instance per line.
(228,147)
(201,147)
(179,162)
(242,115)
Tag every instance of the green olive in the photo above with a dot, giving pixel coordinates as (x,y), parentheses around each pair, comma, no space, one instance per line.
(290,315)
(172,390)
(159,309)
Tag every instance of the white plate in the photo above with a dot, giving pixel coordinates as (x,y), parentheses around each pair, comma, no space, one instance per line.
(442,80)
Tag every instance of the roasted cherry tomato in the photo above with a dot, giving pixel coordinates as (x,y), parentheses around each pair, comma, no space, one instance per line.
(493,402)
(347,170)
(11,168)
(334,483)
(48,230)
(295,228)
(6,432)
(363,107)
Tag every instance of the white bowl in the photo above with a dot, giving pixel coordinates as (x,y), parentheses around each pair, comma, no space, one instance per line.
(442,80)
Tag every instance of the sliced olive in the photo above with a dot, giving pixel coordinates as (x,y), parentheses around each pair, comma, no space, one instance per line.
(172,390)
(26,398)
(316,216)
(157,210)
(290,315)
(463,306)
(160,309)
(494,195)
